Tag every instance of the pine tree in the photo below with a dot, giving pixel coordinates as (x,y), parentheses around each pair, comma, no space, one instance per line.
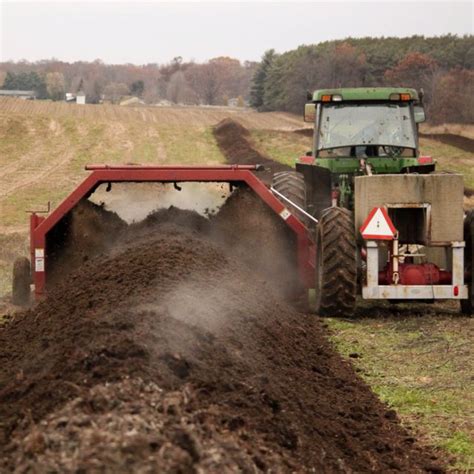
(274,92)
(137,88)
(26,81)
(257,91)
(10,82)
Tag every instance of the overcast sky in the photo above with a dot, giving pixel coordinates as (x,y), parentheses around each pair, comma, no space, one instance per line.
(136,32)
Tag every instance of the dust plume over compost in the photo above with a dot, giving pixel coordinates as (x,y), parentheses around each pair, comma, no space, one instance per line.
(168,353)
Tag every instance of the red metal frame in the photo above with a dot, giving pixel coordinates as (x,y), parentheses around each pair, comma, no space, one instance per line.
(40,226)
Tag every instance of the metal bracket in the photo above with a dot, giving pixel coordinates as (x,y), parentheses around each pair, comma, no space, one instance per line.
(372,289)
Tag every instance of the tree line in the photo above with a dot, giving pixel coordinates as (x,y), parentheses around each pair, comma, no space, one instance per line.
(442,66)
(179,82)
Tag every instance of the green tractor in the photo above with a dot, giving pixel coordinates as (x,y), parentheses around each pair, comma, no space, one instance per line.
(386,225)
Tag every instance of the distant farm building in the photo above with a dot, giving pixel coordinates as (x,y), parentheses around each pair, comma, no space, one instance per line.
(79,98)
(25,95)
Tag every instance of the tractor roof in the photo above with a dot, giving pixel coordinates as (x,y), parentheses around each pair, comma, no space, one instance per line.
(364,93)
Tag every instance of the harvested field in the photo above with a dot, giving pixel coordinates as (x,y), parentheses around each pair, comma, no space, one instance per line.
(172,116)
(460,129)
(167,353)
(464,143)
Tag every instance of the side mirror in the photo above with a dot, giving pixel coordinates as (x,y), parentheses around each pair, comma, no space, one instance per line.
(419,114)
(310,112)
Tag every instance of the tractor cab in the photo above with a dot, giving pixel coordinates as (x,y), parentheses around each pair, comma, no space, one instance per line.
(357,132)
(367,131)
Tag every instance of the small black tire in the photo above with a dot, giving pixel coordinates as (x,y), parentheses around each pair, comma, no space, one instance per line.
(21,282)
(467,306)
(291,184)
(336,263)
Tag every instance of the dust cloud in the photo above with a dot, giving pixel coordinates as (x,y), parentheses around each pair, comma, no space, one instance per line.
(252,241)
(133,202)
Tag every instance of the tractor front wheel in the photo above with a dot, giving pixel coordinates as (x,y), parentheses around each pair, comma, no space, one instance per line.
(336,263)
(467,306)
(21,282)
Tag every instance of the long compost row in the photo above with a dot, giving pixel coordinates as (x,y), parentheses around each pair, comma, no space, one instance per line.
(174,350)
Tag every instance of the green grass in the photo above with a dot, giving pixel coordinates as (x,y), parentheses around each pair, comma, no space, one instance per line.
(281,146)
(450,158)
(36,199)
(189,145)
(419,361)
(11,246)
(460,444)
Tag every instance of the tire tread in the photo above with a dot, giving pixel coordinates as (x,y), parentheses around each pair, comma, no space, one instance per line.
(339,275)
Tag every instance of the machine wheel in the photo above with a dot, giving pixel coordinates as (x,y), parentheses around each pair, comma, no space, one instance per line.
(291,184)
(336,263)
(467,306)
(21,282)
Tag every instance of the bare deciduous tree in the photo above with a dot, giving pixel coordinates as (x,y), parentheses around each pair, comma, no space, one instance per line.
(178,90)
(55,85)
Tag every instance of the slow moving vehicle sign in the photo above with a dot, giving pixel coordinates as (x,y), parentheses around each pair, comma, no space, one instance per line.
(378,226)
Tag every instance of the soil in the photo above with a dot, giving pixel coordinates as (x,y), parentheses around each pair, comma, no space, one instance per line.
(235,143)
(169,353)
(306,132)
(86,231)
(255,236)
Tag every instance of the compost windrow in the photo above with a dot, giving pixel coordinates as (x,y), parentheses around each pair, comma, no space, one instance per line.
(169,353)
(234,140)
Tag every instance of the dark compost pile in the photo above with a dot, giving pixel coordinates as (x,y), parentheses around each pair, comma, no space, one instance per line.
(168,352)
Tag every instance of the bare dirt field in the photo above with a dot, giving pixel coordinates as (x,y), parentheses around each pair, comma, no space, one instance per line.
(281,398)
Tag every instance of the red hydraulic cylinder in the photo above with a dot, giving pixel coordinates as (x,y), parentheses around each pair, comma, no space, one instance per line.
(416,274)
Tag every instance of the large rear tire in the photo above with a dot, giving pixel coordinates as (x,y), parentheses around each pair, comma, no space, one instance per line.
(21,282)
(292,185)
(336,263)
(467,306)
